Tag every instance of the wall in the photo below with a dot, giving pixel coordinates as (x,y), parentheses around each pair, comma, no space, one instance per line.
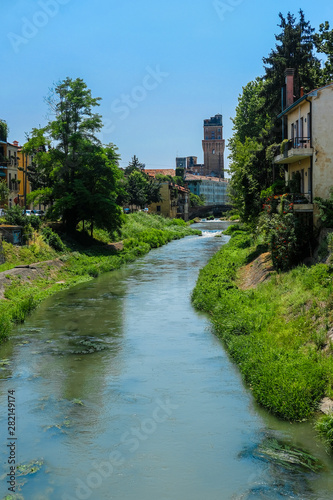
(323,142)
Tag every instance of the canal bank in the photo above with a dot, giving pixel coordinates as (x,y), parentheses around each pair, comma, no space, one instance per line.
(278,333)
(24,287)
(122,391)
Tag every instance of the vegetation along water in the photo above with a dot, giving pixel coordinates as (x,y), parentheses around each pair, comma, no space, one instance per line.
(68,262)
(277,332)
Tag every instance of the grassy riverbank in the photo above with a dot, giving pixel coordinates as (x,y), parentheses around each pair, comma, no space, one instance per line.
(277,333)
(82,259)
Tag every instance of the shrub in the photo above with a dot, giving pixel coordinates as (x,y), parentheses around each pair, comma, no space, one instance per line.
(324,426)
(15,217)
(35,222)
(53,239)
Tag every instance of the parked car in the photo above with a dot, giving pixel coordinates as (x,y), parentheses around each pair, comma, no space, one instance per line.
(40,213)
(28,212)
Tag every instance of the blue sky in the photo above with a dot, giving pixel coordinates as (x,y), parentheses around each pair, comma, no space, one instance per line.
(160,67)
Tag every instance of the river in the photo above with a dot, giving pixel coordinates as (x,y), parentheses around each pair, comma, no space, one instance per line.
(123,392)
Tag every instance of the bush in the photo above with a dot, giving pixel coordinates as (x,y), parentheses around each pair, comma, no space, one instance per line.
(324,426)
(53,239)
(15,217)
(35,222)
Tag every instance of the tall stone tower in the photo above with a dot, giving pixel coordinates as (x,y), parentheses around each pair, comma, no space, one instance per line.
(213,147)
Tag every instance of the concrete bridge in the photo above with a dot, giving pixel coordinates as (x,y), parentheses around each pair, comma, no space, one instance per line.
(201,212)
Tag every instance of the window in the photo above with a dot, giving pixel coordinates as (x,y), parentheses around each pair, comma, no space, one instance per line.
(213,151)
(158,208)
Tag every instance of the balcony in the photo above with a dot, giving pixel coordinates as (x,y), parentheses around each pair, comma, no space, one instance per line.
(296,202)
(293,150)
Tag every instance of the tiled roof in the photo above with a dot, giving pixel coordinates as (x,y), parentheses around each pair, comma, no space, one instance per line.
(181,188)
(191,177)
(163,171)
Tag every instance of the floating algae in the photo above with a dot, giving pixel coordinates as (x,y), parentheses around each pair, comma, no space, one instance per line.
(30,468)
(287,456)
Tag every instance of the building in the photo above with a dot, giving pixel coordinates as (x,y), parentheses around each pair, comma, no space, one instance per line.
(175,199)
(213,146)
(163,171)
(214,189)
(307,148)
(13,181)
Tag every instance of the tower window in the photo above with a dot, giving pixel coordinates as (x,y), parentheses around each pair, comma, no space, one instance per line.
(213,151)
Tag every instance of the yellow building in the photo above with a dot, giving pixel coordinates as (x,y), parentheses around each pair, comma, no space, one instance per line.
(24,185)
(307,148)
(174,204)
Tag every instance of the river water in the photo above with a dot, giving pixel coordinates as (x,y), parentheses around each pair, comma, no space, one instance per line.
(123,392)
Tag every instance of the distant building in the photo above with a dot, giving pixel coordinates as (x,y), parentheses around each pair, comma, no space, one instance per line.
(160,171)
(214,189)
(213,146)
(175,199)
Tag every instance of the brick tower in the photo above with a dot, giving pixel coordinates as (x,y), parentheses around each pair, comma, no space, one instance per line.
(213,147)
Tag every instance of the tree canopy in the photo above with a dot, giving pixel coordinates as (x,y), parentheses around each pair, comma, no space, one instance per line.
(256,128)
(72,170)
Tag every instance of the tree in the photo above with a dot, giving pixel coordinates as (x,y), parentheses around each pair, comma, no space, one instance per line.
(294,49)
(249,168)
(142,190)
(196,201)
(134,165)
(4,192)
(256,126)
(3,130)
(77,173)
(324,45)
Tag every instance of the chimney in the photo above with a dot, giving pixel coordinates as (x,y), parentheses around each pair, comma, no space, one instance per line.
(15,143)
(302,91)
(289,74)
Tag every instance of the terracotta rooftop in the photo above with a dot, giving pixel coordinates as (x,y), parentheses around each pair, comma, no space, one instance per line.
(163,171)
(191,177)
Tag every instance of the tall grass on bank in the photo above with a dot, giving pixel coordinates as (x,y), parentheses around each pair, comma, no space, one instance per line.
(140,233)
(275,332)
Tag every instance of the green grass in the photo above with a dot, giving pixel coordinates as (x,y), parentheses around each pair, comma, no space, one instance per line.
(84,258)
(275,332)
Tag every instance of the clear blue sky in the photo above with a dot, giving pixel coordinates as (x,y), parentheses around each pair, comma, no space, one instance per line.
(161,67)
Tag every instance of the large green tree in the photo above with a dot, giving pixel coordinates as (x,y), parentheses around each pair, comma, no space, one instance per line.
(77,174)
(248,165)
(294,49)
(256,126)
(142,190)
(324,45)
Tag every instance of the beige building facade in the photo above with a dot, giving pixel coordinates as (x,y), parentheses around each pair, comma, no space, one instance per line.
(307,148)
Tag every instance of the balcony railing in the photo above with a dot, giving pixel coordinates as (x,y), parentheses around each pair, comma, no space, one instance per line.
(292,150)
(296,143)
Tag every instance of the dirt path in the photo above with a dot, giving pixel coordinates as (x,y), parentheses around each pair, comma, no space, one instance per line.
(256,272)
(27,272)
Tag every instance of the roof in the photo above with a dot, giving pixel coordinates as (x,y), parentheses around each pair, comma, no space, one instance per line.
(163,171)
(191,177)
(181,188)
(313,93)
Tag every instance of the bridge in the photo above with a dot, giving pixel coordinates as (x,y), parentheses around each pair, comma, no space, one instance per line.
(201,212)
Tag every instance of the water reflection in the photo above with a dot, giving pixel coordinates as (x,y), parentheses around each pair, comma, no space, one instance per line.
(121,371)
